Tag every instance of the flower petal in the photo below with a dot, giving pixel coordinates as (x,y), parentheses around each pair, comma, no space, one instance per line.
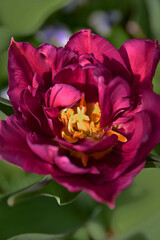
(105,192)
(84,42)
(141,57)
(14,148)
(58,58)
(90,146)
(81,80)
(33,113)
(151,105)
(64,95)
(45,148)
(24,61)
(113,98)
(67,166)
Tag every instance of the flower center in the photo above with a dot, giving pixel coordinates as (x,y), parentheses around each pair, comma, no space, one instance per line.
(81,123)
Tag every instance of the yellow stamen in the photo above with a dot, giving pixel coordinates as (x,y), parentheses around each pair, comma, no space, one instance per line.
(96,114)
(79,135)
(69,138)
(121,138)
(66,114)
(82,102)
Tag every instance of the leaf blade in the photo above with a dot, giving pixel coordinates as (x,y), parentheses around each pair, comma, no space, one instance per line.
(153,161)
(46,187)
(6,107)
(31,13)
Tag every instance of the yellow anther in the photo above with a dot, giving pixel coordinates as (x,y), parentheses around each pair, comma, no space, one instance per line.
(79,135)
(68,138)
(96,114)
(82,102)
(121,138)
(66,114)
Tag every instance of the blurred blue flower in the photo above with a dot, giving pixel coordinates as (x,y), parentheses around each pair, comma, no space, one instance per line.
(102,22)
(75,4)
(56,34)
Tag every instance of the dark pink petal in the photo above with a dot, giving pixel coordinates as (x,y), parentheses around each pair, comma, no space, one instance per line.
(50,52)
(64,164)
(24,61)
(14,148)
(64,95)
(108,191)
(113,98)
(51,112)
(58,58)
(33,114)
(90,146)
(127,155)
(105,192)
(84,42)
(48,151)
(43,147)
(151,105)
(82,80)
(141,57)
(139,131)
(37,85)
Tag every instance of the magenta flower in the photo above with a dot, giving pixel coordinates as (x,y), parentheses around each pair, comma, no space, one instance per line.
(85,113)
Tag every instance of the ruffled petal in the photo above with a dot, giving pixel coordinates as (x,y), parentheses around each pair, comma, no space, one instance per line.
(33,114)
(151,105)
(45,148)
(64,164)
(64,95)
(24,61)
(113,98)
(58,58)
(89,146)
(141,57)
(14,148)
(84,42)
(105,192)
(140,129)
(81,80)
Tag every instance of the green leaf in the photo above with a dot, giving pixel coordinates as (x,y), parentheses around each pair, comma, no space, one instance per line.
(43,215)
(23,17)
(13,178)
(156,80)
(137,212)
(38,236)
(5,106)
(47,187)
(21,186)
(153,161)
(2,116)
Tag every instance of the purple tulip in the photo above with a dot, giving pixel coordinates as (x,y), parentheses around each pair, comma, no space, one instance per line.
(85,114)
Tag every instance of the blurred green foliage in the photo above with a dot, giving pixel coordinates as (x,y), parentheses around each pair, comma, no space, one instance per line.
(137,212)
